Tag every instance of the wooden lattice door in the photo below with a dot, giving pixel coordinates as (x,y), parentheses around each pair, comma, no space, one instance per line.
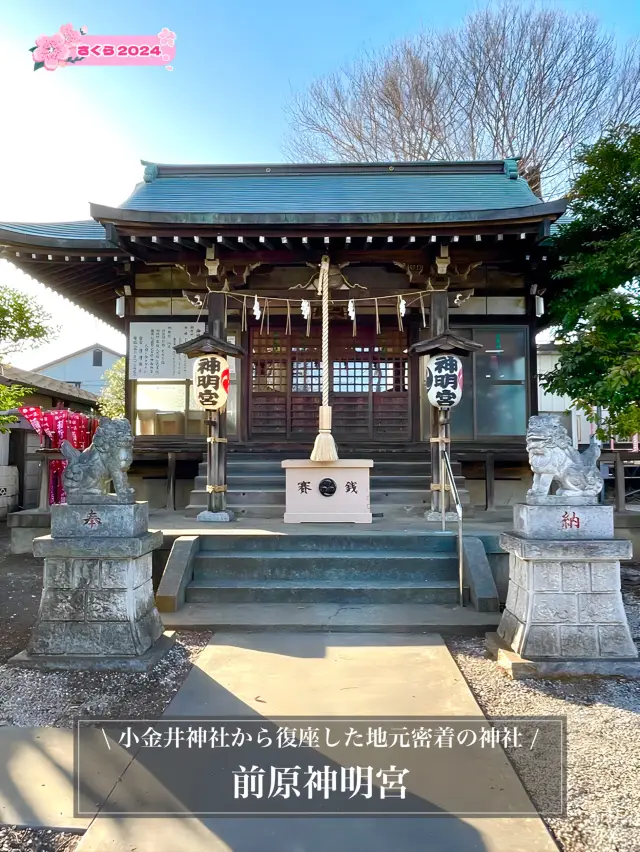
(369,384)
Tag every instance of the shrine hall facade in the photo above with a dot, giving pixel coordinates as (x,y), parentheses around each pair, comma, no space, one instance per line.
(393,232)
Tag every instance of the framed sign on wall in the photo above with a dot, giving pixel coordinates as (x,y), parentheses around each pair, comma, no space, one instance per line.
(151,349)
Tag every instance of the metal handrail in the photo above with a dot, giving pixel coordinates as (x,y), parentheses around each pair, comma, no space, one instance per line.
(445,468)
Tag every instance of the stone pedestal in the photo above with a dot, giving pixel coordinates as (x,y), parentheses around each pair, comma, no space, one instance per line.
(97,608)
(564,613)
(329,492)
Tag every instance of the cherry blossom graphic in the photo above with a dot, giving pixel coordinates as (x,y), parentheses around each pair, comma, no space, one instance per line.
(58,50)
(51,51)
(167,37)
(70,35)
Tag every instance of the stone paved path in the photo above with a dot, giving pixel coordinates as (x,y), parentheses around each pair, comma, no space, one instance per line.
(278,675)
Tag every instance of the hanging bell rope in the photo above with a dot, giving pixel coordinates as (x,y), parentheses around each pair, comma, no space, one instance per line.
(424,318)
(243,324)
(288,326)
(262,316)
(324,449)
(351,310)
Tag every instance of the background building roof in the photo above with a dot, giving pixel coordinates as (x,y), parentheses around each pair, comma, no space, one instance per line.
(62,390)
(79,352)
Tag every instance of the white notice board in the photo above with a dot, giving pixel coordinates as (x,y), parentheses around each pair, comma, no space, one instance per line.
(151,352)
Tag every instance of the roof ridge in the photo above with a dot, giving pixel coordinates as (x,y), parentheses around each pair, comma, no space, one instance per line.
(153,171)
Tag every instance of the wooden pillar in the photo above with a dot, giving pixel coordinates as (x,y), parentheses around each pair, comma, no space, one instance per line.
(171,481)
(490,482)
(532,376)
(621,502)
(438,324)
(217,423)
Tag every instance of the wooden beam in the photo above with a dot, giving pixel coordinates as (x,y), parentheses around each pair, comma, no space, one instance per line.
(155,244)
(246,243)
(223,241)
(286,243)
(265,242)
(305,243)
(203,241)
(181,241)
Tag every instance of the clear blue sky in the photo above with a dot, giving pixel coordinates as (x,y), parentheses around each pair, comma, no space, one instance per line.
(76,135)
(238,60)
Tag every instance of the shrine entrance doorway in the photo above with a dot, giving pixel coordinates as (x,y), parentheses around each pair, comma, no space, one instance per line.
(369,384)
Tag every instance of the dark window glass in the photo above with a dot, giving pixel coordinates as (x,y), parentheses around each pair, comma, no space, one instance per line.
(501,399)
(97,357)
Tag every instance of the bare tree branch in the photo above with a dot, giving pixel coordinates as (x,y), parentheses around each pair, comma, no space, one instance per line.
(511,81)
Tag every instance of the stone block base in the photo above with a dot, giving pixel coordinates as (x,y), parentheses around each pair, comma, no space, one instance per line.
(25,527)
(224,517)
(520,668)
(564,600)
(99,520)
(561,521)
(69,662)
(96,607)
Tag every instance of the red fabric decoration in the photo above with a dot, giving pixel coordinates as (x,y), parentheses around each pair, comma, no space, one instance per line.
(60,425)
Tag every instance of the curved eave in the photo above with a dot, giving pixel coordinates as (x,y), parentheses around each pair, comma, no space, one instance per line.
(16,239)
(531,213)
(91,286)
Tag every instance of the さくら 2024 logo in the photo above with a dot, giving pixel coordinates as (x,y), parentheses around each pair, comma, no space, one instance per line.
(70,47)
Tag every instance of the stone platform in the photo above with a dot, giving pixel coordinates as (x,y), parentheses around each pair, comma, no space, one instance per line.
(97,609)
(564,613)
(519,668)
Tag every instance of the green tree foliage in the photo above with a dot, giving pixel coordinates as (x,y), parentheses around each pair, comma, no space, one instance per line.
(599,249)
(11,397)
(111,402)
(23,322)
(598,310)
(599,366)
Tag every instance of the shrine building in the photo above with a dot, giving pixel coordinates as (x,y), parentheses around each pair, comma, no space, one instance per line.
(395,234)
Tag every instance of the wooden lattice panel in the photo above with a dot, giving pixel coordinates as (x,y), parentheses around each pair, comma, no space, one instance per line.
(369,384)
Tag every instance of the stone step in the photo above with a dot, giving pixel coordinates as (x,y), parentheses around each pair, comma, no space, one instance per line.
(322,591)
(366,540)
(382,466)
(273,496)
(359,451)
(276,511)
(253,481)
(308,565)
(447,619)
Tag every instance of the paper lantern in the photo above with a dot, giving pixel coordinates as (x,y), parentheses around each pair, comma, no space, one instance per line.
(211,382)
(444,381)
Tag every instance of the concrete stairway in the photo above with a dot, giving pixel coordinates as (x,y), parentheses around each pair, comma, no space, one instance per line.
(256,483)
(377,582)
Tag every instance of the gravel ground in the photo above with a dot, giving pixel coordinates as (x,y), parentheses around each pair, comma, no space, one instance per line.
(603,733)
(44,840)
(29,698)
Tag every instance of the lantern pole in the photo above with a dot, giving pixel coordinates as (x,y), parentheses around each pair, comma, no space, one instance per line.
(438,325)
(217,421)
